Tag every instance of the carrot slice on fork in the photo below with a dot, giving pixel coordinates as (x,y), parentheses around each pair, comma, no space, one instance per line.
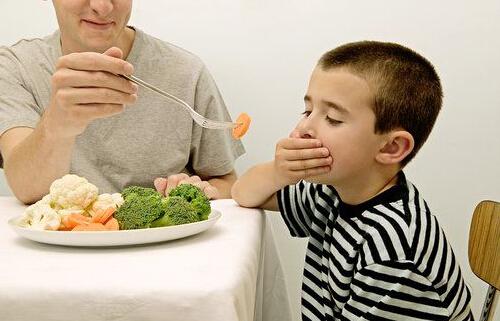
(243,122)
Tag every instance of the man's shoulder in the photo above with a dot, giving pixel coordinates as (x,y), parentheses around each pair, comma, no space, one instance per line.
(34,50)
(167,50)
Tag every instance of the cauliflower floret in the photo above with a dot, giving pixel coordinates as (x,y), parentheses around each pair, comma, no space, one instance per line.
(105,201)
(40,216)
(72,192)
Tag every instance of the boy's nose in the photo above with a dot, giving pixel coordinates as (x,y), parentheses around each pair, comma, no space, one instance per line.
(303,130)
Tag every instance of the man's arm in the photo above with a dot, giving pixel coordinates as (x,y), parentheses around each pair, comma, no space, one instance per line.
(33,159)
(84,87)
(223,184)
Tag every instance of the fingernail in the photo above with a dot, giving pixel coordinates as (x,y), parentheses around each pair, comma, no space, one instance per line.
(135,87)
(129,69)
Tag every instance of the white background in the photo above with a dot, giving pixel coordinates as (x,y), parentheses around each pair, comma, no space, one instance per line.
(261,53)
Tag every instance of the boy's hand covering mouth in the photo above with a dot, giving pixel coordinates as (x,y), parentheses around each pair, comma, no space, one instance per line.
(299,158)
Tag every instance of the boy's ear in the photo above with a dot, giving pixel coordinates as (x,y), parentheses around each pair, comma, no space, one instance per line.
(397,145)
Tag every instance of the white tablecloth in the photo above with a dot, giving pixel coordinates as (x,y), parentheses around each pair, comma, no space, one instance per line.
(230,272)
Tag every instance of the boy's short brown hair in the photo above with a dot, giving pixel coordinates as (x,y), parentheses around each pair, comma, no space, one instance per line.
(407,90)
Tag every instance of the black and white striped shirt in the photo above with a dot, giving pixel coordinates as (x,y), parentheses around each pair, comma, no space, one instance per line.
(385,259)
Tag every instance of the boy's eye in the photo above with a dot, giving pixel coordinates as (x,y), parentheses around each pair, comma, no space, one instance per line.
(306,113)
(333,121)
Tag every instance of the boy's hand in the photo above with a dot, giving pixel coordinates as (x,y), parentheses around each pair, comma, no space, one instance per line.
(299,158)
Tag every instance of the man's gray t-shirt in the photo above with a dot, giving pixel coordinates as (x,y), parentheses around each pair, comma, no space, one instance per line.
(154,137)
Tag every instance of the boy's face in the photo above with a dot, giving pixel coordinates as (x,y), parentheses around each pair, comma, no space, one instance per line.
(91,25)
(338,112)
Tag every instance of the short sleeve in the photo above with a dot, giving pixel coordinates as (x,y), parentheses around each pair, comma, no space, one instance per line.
(17,104)
(296,204)
(213,151)
(396,291)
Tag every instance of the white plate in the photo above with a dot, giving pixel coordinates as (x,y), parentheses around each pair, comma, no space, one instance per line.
(116,238)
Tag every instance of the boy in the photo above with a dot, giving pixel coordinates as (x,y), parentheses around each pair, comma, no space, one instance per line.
(375,252)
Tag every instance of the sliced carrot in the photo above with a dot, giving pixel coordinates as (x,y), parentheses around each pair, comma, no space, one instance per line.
(243,122)
(112,224)
(62,227)
(72,220)
(90,227)
(102,216)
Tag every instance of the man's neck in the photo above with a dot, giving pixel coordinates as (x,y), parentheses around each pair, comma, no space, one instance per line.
(125,42)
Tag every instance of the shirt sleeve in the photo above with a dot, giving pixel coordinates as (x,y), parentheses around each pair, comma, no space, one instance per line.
(296,204)
(395,291)
(213,151)
(18,107)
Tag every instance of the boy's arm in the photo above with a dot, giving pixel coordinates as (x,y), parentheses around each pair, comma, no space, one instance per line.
(257,188)
(295,159)
(397,291)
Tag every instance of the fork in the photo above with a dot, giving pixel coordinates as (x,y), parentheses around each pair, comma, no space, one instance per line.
(199,119)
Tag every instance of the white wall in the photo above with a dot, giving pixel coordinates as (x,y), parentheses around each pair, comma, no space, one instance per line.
(261,53)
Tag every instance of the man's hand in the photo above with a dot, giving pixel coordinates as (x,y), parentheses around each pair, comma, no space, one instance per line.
(86,86)
(299,158)
(165,185)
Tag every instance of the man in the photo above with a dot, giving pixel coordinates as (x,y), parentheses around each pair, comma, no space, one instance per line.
(64,108)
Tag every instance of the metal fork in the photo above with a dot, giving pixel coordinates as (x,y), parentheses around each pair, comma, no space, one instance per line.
(199,119)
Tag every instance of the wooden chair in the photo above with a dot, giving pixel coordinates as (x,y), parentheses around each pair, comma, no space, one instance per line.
(484,251)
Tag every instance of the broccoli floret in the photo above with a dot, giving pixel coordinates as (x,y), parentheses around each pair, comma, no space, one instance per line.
(141,191)
(138,211)
(196,197)
(177,211)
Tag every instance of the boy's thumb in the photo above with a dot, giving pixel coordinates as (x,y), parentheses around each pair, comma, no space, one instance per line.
(114,52)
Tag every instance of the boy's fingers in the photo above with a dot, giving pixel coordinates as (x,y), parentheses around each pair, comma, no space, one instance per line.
(304,164)
(299,143)
(307,153)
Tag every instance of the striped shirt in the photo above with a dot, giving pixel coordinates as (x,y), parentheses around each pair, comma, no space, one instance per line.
(384,259)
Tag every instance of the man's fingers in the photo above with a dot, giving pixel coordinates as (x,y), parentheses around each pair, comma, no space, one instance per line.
(211,192)
(94,111)
(190,180)
(73,96)
(173,181)
(114,52)
(92,61)
(160,185)
(95,79)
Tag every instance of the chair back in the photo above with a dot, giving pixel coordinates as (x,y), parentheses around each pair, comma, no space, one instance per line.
(484,251)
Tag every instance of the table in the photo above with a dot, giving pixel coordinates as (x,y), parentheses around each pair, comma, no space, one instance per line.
(230,272)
